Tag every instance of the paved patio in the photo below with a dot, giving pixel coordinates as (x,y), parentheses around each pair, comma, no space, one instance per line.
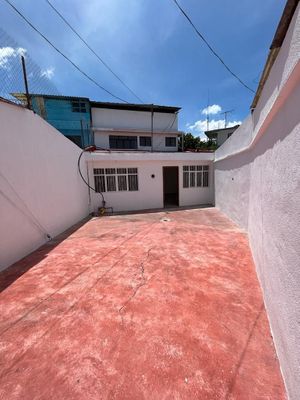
(144,306)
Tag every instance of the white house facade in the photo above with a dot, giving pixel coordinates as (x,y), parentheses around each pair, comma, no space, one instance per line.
(137,165)
(143,180)
(135,127)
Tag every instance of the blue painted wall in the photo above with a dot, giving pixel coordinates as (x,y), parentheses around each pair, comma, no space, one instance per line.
(60,114)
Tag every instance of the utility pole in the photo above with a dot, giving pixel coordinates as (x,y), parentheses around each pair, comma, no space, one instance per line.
(225,116)
(26,83)
(152,115)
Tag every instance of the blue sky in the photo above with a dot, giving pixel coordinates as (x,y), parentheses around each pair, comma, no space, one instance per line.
(150,45)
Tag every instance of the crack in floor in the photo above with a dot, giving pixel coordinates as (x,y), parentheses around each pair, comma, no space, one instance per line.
(137,288)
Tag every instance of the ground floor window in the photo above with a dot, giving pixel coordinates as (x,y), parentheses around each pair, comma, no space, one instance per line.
(123,142)
(116,179)
(195,176)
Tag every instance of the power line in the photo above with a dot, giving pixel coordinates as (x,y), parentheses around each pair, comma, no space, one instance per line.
(93,51)
(210,48)
(62,54)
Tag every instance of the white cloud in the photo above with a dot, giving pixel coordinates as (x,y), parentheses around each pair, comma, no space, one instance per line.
(48,73)
(213,109)
(7,53)
(199,127)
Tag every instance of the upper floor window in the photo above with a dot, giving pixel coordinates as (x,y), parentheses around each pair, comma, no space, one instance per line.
(145,141)
(116,179)
(170,141)
(78,106)
(195,176)
(123,142)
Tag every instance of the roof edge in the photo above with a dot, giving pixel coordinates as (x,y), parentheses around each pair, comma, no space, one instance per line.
(282,28)
(135,107)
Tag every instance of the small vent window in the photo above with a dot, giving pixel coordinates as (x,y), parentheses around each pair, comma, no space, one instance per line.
(78,106)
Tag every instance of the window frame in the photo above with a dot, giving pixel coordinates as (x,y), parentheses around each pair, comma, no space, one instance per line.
(145,138)
(195,176)
(170,138)
(122,139)
(108,180)
(78,106)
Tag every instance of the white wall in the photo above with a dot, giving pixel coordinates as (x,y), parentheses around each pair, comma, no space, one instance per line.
(40,188)
(125,119)
(257,180)
(102,140)
(150,193)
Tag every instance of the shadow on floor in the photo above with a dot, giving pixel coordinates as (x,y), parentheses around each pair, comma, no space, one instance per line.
(16,270)
(155,210)
(244,351)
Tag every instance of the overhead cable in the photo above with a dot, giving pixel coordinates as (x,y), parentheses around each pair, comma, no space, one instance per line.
(63,55)
(211,49)
(93,51)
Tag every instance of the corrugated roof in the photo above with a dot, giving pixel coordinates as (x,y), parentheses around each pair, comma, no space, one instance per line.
(135,107)
(213,131)
(22,96)
(104,104)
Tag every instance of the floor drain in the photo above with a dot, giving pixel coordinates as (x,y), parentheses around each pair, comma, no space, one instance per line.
(165,220)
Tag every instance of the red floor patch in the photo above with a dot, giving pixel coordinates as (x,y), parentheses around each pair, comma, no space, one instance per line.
(145,306)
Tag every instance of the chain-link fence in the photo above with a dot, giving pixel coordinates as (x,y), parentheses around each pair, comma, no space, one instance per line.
(12,74)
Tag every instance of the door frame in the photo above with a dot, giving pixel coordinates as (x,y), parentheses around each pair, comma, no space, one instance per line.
(165,167)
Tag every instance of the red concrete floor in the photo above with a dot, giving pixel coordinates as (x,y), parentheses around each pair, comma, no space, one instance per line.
(144,306)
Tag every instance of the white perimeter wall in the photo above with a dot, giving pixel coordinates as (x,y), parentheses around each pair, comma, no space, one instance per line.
(257,180)
(40,188)
(150,193)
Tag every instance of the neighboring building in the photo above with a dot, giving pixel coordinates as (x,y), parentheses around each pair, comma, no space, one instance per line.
(70,115)
(219,136)
(135,126)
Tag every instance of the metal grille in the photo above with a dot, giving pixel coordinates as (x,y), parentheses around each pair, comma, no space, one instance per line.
(133,183)
(195,176)
(123,142)
(111,183)
(112,179)
(99,183)
(12,88)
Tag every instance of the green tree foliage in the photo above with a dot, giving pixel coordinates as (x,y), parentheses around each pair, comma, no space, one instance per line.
(195,143)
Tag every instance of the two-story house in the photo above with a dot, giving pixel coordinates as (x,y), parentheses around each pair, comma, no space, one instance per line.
(137,164)
(135,126)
